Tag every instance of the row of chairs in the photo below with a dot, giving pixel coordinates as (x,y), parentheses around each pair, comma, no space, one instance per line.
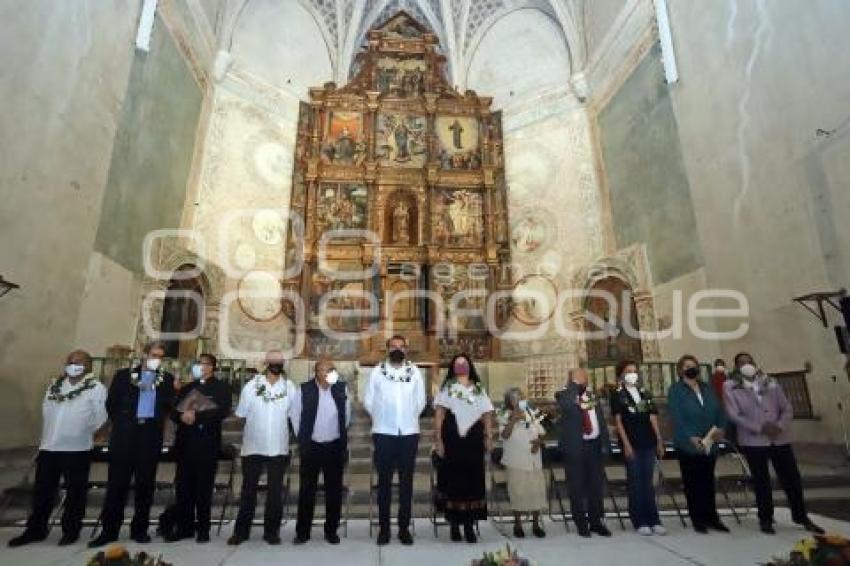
(733,477)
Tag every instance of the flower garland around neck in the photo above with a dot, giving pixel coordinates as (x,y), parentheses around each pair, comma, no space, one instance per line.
(54,392)
(458,391)
(264,393)
(157,381)
(405,378)
(587,400)
(645,404)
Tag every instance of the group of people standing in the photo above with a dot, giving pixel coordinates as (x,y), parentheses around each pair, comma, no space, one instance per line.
(141,398)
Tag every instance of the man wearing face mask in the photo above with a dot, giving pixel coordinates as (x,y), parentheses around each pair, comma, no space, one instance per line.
(139,400)
(394,398)
(73,409)
(584,442)
(266,405)
(201,405)
(321,414)
(758,406)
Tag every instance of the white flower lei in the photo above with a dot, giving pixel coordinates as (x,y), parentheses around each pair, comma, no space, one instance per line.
(587,401)
(408,372)
(263,391)
(458,391)
(157,381)
(54,391)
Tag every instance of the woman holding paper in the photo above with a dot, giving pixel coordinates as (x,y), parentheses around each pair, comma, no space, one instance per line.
(698,423)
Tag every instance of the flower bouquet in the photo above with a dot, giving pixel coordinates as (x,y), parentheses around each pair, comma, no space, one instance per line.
(119,556)
(822,550)
(503,557)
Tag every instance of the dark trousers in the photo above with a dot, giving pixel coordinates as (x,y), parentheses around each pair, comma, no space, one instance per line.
(640,472)
(395,453)
(252,468)
(197,460)
(785,466)
(329,459)
(134,455)
(698,482)
(585,484)
(73,469)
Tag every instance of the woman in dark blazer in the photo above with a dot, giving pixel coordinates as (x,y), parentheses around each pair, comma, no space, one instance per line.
(698,423)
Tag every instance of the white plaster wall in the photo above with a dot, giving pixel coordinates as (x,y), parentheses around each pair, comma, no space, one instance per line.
(280,43)
(522,53)
(107,285)
(597,17)
(758,80)
(62,80)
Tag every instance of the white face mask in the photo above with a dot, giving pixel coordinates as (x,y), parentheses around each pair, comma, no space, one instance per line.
(153,363)
(332,377)
(197,371)
(74,370)
(748,370)
(523,405)
(631,378)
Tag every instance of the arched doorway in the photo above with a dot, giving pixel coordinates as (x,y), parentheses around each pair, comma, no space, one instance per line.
(183,313)
(610,308)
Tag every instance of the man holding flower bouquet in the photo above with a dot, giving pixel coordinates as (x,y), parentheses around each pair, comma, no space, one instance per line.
(584,442)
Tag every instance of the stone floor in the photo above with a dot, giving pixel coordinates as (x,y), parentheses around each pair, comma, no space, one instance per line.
(744,546)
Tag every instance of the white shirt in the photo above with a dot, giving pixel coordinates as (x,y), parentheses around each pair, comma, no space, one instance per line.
(69,425)
(634,392)
(326,427)
(266,428)
(394,398)
(594,426)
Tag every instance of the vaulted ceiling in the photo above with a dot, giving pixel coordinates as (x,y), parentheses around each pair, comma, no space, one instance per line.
(459,24)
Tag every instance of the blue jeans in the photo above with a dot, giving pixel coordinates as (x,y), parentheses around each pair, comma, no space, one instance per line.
(643,509)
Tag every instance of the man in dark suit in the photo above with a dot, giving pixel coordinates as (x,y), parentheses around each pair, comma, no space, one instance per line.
(197,445)
(138,402)
(584,442)
(322,413)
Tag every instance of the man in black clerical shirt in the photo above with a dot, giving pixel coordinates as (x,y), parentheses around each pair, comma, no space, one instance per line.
(201,407)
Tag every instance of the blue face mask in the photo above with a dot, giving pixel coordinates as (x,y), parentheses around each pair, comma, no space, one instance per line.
(197,371)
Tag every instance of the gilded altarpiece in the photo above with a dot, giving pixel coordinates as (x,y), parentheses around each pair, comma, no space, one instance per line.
(400,207)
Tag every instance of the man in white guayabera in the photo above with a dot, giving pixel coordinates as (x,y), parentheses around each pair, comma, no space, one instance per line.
(395,397)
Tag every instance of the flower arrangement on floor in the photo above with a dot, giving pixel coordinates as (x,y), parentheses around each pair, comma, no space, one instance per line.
(503,557)
(119,556)
(822,550)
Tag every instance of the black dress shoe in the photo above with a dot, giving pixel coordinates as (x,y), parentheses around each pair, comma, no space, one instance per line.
(332,538)
(518,532)
(701,529)
(383,537)
(811,527)
(583,531)
(26,538)
(101,540)
(236,540)
(300,539)
(767,528)
(601,530)
(69,538)
(455,535)
(141,538)
(719,526)
(202,538)
(405,537)
(272,538)
(538,531)
(469,534)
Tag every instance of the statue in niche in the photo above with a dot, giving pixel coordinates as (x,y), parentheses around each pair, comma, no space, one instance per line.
(456,130)
(401,139)
(401,223)
(344,150)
